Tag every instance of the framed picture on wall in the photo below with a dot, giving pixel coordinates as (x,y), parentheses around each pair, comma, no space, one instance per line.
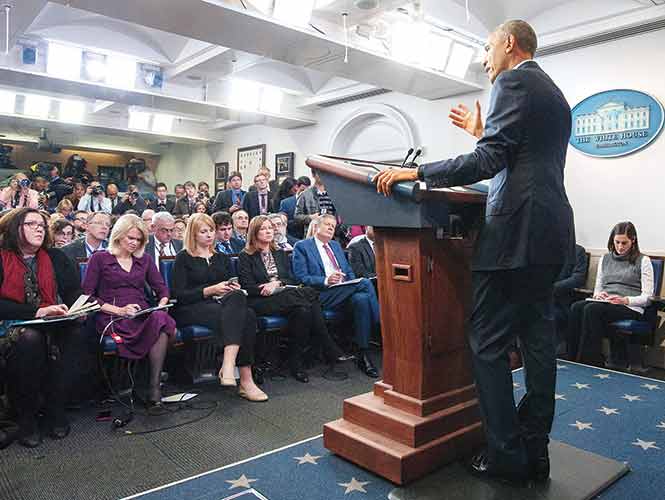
(284,165)
(250,159)
(221,175)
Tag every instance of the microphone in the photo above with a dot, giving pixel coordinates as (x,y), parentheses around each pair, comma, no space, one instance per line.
(407,156)
(412,163)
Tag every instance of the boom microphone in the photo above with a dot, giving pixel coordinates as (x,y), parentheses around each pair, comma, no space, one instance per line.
(407,156)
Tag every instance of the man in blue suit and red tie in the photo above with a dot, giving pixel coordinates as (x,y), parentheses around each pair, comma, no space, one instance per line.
(319,262)
(527,236)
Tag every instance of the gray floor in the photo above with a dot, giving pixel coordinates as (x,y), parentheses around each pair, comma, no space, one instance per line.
(95,462)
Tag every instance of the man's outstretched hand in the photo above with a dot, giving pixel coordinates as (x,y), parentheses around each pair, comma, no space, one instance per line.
(463,118)
(384,180)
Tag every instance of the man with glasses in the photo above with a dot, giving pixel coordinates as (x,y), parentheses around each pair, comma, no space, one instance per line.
(283,240)
(80,222)
(161,242)
(94,199)
(99,225)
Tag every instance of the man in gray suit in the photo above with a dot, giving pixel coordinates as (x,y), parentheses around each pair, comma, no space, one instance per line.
(527,236)
(161,242)
(99,225)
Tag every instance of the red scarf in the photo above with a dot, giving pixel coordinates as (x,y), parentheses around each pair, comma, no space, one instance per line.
(13,284)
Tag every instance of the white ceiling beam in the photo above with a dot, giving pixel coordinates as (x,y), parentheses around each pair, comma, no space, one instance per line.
(101,106)
(194,61)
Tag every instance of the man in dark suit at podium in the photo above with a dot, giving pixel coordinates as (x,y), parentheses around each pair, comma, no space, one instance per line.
(528,234)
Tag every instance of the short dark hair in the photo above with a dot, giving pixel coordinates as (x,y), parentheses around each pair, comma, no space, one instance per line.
(523,32)
(222,219)
(11,229)
(161,185)
(304,181)
(235,174)
(190,184)
(59,225)
(203,183)
(178,186)
(627,228)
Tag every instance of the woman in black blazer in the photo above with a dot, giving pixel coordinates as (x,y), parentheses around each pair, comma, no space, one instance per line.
(200,283)
(265,273)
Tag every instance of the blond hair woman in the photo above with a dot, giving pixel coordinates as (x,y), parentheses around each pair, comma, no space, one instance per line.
(116,278)
(201,284)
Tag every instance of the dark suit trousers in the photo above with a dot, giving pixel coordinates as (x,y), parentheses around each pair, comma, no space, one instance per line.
(507,305)
(589,323)
(364,304)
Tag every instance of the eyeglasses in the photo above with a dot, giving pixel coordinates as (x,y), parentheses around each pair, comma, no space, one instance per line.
(35,225)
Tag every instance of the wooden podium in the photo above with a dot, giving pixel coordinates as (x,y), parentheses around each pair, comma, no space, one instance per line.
(424,412)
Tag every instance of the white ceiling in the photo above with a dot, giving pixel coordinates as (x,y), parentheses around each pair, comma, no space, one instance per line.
(202,44)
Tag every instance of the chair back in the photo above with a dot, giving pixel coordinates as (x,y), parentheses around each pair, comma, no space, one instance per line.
(165,268)
(651,311)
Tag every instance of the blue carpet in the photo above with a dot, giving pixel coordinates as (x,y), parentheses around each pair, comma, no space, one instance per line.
(612,414)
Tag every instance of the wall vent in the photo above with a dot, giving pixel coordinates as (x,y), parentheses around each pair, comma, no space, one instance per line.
(354,97)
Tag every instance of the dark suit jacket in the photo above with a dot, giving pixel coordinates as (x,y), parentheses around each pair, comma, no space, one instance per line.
(150,246)
(308,266)
(237,245)
(288,206)
(362,258)
(250,203)
(182,207)
(528,219)
(573,274)
(224,200)
(75,250)
(252,271)
(122,207)
(169,205)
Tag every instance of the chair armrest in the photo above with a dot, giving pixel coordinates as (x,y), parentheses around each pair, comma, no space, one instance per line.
(584,291)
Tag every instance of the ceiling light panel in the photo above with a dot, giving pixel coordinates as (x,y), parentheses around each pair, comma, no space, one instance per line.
(162,124)
(64,61)
(271,100)
(139,120)
(120,72)
(71,111)
(7,102)
(460,59)
(436,53)
(245,95)
(409,41)
(296,12)
(93,67)
(37,106)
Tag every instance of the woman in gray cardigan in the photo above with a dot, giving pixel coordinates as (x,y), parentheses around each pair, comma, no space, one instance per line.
(624,283)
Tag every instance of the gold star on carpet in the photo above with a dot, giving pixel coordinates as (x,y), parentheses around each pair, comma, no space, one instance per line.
(661,425)
(651,387)
(560,396)
(628,397)
(561,367)
(608,411)
(602,375)
(582,425)
(307,459)
(516,385)
(580,386)
(242,482)
(645,445)
(354,485)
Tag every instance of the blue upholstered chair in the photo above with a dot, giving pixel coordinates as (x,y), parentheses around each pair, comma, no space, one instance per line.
(644,328)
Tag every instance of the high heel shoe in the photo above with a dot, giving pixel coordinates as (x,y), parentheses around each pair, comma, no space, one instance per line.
(226,381)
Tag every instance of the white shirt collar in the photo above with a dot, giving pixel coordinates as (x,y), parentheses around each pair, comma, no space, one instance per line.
(525,61)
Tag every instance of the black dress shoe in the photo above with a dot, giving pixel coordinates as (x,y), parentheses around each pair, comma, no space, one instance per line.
(60,431)
(366,366)
(30,440)
(479,466)
(300,376)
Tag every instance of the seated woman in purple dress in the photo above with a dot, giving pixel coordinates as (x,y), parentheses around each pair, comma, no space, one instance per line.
(116,279)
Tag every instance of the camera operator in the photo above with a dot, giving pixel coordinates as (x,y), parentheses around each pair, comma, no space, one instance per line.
(58,188)
(161,202)
(18,194)
(131,201)
(40,185)
(94,199)
(76,169)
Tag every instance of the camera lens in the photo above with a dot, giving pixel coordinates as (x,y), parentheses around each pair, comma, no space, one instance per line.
(24,183)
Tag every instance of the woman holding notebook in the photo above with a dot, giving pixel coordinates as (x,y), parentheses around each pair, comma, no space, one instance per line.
(30,288)
(116,279)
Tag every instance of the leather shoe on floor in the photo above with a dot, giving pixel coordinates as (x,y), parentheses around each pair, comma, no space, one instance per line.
(60,431)
(31,440)
(479,467)
(366,366)
(301,376)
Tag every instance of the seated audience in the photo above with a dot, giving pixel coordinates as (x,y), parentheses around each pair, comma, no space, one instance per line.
(572,276)
(240,220)
(18,194)
(112,195)
(162,243)
(179,191)
(131,201)
(200,283)
(117,279)
(179,227)
(187,204)
(624,283)
(319,262)
(66,209)
(361,255)
(258,201)
(161,203)
(201,207)
(62,232)
(79,219)
(94,199)
(99,225)
(287,191)
(283,240)
(225,242)
(265,273)
(230,199)
(146,217)
(36,282)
